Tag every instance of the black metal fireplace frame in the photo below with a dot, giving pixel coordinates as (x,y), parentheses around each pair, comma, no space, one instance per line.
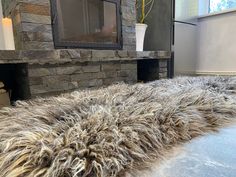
(58,44)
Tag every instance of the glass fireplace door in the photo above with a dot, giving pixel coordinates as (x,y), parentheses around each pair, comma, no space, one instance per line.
(86,23)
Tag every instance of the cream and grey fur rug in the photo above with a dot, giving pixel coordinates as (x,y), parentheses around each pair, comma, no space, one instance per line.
(111,131)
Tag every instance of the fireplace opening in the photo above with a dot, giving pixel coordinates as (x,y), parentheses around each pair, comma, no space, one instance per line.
(87,24)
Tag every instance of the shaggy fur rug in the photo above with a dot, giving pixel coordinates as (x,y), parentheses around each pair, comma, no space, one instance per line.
(110,131)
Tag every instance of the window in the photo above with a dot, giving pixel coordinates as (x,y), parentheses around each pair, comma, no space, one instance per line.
(219,5)
(186,9)
(190,9)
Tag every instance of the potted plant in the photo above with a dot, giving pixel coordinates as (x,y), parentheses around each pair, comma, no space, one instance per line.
(143,8)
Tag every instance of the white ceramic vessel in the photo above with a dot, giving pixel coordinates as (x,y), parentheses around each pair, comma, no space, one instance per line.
(140,35)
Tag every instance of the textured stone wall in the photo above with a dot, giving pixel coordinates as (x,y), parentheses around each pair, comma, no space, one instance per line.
(51,79)
(128,24)
(32,23)
(51,72)
(163,71)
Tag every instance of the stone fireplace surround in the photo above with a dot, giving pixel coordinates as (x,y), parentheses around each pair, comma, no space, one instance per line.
(33,23)
(51,71)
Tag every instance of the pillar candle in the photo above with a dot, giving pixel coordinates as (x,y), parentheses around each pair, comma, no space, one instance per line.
(8,34)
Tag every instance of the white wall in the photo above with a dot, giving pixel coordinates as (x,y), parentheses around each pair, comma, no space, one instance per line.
(217,44)
(208,48)
(185,49)
(2,43)
(186,37)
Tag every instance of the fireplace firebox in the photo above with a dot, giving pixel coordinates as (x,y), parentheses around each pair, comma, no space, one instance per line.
(87,24)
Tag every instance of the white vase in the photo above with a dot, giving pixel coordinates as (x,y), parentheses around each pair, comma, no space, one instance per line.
(140,34)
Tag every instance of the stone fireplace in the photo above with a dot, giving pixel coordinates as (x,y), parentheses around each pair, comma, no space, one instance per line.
(49,24)
(65,45)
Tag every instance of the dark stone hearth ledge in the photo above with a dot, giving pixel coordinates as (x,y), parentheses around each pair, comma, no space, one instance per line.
(76,55)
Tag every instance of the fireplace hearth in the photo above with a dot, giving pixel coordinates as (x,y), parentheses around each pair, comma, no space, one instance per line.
(87,24)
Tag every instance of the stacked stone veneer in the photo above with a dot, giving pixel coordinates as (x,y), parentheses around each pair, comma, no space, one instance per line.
(33,29)
(163,69)
(51,79)
(84,69)
(55,71)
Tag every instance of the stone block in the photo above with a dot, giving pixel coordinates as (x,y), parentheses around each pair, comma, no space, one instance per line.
(128,2)
(163,54)
(129,40)
(38,36)
(85,54)
(51,80)
(39,2)
(39,72)
(129,47)
(129,22)
(68,70)
(74,53)
(71,86)
(35,81)
(163,75)
(129,29)
(128,13)
(111,74)
(35,9)
(40,54)
(161,70)
(132,54)
(127,73)
(37,45)
(163,64)
(38,89)
(122,73)
(122,53)
(132,77)
(9,55)
(57,87)
(90,83)
(129,66)
(111,66)
(145,54)
(34,27)
(103,54)
(64,54)
(31,18)
(87,76)
(91,68)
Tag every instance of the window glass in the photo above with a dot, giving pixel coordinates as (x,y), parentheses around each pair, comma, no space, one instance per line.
(87,21)
(219,5)
(185,9)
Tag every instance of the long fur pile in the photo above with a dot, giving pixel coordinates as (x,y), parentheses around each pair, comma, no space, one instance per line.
(110,131)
